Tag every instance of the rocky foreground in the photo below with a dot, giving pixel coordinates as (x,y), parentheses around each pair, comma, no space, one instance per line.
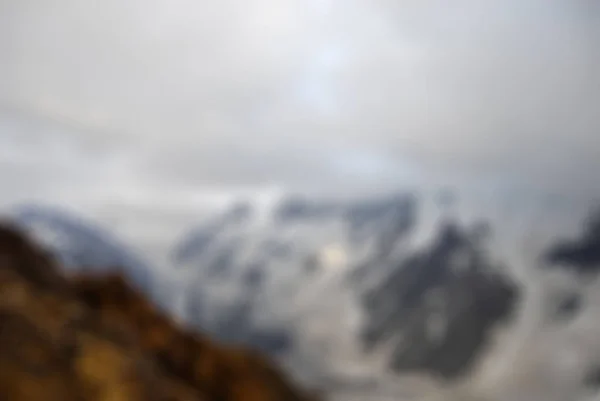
(96,338)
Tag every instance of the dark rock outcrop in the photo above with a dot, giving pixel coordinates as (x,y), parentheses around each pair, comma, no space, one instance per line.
(568,307)
(592,378)
(581,254)
(439,306)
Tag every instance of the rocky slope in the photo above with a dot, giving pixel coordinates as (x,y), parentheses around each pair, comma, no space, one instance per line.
(354,278)
(358,295)
(94,337)
(81,245)
(321,283)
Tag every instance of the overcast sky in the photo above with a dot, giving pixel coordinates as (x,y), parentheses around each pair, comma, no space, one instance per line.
(147,103)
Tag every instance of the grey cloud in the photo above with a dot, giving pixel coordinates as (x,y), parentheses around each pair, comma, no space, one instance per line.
(48,160)
(495,86)
(248,93)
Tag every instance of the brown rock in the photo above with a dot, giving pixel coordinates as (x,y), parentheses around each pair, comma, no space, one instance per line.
(97,338)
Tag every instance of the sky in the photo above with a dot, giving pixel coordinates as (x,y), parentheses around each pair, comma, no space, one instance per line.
(162,105)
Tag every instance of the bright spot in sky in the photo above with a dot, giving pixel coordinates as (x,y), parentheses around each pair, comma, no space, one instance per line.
(315,87)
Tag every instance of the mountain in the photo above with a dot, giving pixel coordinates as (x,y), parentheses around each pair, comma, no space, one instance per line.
(351,277)
(581,254)
(362,294)
(81,244)
(94,337)
(446,298)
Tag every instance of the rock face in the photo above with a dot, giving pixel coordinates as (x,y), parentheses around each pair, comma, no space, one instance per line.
(96,338)
(446,299)
(433,311)
(258,265)
(581,254)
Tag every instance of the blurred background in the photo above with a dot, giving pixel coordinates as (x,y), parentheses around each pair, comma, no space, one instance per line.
(395,199)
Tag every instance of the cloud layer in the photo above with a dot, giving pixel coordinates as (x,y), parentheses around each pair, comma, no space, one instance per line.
(154,100)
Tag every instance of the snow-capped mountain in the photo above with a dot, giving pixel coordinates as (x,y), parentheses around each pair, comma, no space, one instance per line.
(349,292)
(351,278)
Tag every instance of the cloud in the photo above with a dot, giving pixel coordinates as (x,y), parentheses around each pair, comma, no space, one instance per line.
(365,94)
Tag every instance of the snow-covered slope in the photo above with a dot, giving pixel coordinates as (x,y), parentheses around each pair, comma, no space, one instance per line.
(387,285)
(351,278)
(365,294)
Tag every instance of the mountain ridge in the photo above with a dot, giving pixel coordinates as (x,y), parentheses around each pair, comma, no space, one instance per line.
(94,337)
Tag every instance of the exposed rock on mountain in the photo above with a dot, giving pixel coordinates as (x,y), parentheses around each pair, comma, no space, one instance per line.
(201,238)
(438,306)
(93,337)
(592,378)
(568,307)
(270,263)
(291,277)
(581,254)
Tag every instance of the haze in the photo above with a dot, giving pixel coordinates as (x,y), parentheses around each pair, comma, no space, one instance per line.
(161,105)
